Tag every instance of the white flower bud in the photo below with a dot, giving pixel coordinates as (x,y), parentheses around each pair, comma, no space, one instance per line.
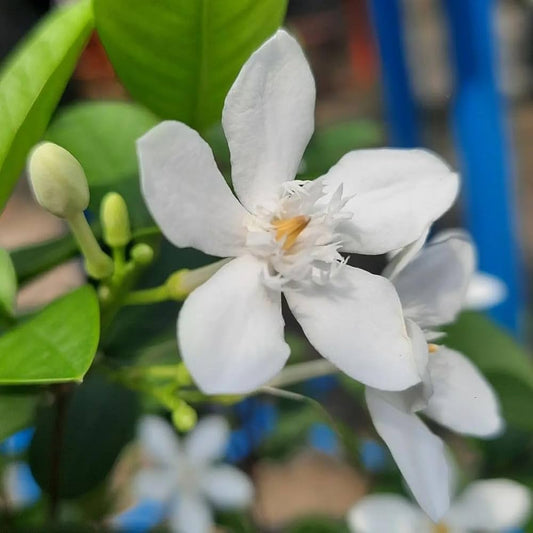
(58,180)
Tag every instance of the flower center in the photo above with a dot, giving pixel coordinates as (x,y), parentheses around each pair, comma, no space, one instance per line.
(432,348)
(440,528)
(288,229)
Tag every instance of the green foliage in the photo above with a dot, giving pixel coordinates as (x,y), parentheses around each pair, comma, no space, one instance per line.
(102,135)
(58,344)
(32,81)
(179,57)
(32,260)
(505,364)
(318,524)
(100,421)
(16,410)
(8,284)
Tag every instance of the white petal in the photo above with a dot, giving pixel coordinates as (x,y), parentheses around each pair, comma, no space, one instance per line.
(433,286)
(158,484)
(186,193)
(159,440)
(491,505)
(208,440)
(484,291)
(419,454)
(356,322)
(397,194)
(268,119)
(230,330)
(462,399)
(399,259)
(386,513)
(227,487)
(191,514)
(416,397)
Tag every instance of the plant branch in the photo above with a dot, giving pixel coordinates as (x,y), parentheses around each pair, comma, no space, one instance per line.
(302,372)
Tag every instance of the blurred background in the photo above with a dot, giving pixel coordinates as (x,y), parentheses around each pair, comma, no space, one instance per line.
(420,75)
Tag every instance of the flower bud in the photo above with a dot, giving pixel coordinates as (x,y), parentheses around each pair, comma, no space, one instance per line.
(142,254)
(182,282)
(115,220)
(184,417)
(58,180)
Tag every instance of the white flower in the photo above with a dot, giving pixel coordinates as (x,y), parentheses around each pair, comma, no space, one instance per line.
(432,288)
(182,474)
(485,291)
(288,235)
(492,505)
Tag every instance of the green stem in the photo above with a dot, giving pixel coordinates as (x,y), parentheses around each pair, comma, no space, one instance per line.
(148,296)
(302,372)
(98,264)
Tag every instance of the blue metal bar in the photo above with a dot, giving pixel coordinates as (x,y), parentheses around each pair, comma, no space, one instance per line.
(482,139)
(397,91)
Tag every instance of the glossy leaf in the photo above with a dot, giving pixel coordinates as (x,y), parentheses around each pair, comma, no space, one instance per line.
(100,420)
(178,57)
(58,344)
(503,361)
(8,284)
(32,82)
(16,410)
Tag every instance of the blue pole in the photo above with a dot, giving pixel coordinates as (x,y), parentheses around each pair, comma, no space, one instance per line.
(482,139)
(397,91)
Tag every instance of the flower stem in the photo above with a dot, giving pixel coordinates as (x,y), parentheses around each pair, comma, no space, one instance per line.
(148,296)
(302,372)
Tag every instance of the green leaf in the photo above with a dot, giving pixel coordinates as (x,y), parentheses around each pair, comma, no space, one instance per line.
(501,359)
(32,260)
(178,57)
(32,82)
(100,420)
(16,410)
(58,344)
(8,284)
(102,135)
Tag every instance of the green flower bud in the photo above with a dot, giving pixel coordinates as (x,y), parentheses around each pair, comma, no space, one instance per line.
(58,180)
(181,283)
(115,220)
(142,254)
(184,417)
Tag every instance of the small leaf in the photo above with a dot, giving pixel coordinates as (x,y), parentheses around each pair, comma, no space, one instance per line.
(503,361)
(32,81)
(100,421)
(58,344)
(8,284)
(16,410)
(178,57)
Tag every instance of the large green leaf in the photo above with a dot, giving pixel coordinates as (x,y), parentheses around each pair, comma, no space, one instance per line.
(31,84)
(102,135)
(100,420)
(8,284)
(505,363)
(58,344)
(180,57)
(16,410)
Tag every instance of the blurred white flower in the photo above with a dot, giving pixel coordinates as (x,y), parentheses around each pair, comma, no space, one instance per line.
(19,486)
(432,284)
(288,235)
(492,505)
(484,291)
(183,474)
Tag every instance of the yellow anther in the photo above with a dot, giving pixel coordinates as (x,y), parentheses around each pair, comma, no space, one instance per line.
(289,229)
(432,348)
(440,527)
